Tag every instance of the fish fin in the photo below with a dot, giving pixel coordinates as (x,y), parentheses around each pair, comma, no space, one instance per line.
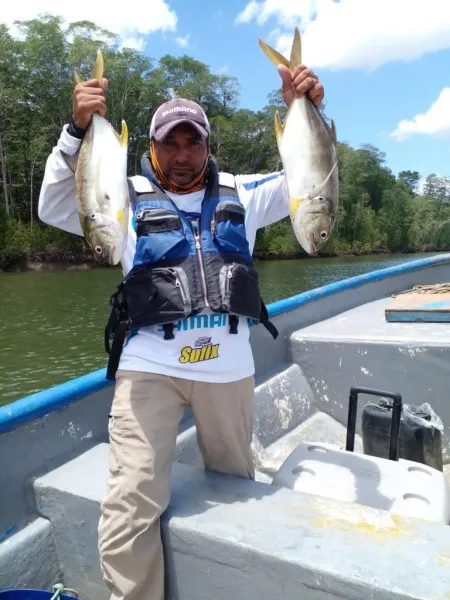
(120,216)
(71,160)
(333,131)
(324,182)
(294,203)
(296,50)
(97,72)
(124,134)
(274,55)
(279,127)
(77,77)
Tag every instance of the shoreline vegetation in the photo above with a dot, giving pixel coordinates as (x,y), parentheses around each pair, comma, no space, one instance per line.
(67,260)
(380,212)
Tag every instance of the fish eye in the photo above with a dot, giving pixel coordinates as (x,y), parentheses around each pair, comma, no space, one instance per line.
(106,197)
(98,249)
(92,216)
(323,235)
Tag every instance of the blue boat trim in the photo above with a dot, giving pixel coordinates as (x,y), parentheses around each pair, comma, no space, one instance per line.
(60,396)
(8,532)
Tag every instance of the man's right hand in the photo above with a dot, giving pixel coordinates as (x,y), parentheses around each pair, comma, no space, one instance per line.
(88,97)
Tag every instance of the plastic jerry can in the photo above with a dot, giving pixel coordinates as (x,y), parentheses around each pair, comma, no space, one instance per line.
(419,433)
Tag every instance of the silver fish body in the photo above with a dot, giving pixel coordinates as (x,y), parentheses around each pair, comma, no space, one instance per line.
(101,185)
(307,147)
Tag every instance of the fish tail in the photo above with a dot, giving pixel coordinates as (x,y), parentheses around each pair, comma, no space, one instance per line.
(124,134)
(274,55)
(279,59)
(97,72)
(296,50)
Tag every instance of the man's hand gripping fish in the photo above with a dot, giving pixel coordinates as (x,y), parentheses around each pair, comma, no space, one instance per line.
(102,192)
(307,147)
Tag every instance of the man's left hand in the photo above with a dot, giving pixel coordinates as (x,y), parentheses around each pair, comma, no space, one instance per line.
(301,81)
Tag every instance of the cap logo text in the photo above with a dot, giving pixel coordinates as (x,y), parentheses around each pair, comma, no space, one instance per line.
(179,109)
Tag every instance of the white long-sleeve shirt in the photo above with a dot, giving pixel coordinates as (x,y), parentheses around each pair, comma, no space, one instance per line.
(229,357)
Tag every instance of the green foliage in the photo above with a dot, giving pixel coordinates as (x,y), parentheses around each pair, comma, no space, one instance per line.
(378,211)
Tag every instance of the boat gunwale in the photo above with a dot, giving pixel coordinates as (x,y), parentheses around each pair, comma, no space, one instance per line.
(60,396)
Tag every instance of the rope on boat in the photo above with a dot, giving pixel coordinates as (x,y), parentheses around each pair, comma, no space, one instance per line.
(436,288)
(58,589)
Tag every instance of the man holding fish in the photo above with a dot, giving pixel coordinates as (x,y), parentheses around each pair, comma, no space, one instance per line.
(179,322)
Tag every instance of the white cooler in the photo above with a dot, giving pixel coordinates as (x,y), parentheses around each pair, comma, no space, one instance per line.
(401,487)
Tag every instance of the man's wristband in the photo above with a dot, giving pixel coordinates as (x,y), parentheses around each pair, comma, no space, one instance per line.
(75,131)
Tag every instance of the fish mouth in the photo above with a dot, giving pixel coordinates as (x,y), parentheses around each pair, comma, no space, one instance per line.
(307,241)
(115,254)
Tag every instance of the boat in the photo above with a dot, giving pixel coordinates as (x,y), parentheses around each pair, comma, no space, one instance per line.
(279,536)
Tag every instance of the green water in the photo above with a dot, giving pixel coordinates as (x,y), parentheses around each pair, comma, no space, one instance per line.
(51,326)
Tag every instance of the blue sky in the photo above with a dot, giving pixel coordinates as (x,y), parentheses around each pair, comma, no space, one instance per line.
(385,64)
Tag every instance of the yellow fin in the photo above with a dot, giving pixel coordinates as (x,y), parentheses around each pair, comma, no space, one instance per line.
(296,50)
(279,127)
(274,55)
(77,77)
(124,134)
(294,203)
(97,72)
(120,216)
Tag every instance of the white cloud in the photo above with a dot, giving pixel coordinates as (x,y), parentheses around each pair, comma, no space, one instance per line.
(287,12)
(356,34)
(434,122)
(183,41)
(134,43)
(223,69)
(139,19)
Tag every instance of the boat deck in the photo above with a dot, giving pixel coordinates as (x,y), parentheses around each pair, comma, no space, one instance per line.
(368,323)
(226,535)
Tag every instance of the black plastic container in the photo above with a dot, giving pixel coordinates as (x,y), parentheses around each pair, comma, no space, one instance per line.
(419,439)
(394,424)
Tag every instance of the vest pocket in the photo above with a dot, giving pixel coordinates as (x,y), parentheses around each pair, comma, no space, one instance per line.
(157,296)
(239,290)
(228,227)
(160,235)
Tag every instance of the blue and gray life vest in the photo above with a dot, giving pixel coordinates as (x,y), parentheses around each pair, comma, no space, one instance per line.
(185,264)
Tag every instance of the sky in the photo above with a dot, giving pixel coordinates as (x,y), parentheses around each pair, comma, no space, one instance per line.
(385,64)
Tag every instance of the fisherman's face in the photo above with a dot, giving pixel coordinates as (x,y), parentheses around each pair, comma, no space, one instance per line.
(181,154)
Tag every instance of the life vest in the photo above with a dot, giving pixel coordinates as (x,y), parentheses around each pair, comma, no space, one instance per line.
(184,265)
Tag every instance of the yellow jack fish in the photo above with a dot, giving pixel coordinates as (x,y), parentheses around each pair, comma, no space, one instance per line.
(307,147)
(102,191)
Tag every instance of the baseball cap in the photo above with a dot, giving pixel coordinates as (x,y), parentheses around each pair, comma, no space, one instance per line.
(176,111)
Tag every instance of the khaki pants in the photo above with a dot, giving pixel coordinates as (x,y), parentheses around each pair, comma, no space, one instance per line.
(145,415)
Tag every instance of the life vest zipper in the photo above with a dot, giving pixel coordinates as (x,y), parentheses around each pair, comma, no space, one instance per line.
(198,249)
(228,279)
(184,296)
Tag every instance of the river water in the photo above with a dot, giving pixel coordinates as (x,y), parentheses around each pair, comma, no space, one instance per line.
(52,322)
